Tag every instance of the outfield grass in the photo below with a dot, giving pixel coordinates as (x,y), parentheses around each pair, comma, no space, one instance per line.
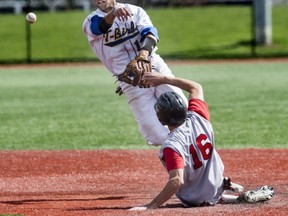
(76,107)
(63,108)
(248,102)
(192,32)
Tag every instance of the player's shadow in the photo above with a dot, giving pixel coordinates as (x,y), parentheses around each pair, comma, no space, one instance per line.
(31,201)
(98,208)
(21,202)
(102,208)
(174,205)
(119,208)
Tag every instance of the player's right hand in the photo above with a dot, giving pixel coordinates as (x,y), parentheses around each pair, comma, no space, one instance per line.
(122,13)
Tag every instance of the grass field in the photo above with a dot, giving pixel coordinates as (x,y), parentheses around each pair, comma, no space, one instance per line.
(203,34)
(75,107)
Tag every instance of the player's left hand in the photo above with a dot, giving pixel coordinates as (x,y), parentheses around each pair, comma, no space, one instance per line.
(135,70)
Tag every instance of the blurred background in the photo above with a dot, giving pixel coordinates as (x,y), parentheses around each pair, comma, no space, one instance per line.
(188,29)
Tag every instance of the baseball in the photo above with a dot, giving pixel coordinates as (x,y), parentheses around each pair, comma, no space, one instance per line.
(31,18)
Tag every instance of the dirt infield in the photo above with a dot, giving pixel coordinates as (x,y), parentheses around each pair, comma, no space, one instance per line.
(108,182)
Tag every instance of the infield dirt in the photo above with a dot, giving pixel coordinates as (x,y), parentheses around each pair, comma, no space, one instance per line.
(109,182)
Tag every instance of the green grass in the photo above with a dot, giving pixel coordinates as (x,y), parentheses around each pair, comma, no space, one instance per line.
(248,102)
(76,107)
(193,32)
(63,108)
(198,32)
(201,32)
(11,215)
(54,36)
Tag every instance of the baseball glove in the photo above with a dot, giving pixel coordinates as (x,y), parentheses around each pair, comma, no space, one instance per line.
(135,70)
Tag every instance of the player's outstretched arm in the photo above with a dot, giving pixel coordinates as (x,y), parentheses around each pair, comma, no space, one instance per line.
(195,89)
(175,180)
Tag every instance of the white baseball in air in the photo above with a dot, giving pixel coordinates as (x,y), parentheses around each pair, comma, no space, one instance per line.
(31,18)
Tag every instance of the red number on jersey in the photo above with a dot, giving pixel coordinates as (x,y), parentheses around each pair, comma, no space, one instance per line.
(205,148)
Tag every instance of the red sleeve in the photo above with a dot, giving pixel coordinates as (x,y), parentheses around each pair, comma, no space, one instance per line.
(200,107)
(172,159)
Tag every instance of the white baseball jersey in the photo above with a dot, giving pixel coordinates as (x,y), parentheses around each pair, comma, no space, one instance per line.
(122,42)
(203,167)
(116,49)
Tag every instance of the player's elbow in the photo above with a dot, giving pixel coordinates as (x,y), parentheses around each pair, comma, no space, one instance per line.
(196,91)
(176,182)
(197,87)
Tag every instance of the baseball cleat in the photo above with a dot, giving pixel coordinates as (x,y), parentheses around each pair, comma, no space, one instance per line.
(228,185)
(263,193)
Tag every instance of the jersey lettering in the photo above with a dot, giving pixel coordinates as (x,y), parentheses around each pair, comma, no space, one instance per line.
(120,35)
(205,147)
(197,163)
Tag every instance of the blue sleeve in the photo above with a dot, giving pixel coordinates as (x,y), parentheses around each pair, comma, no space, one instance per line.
(95,25)
(151,30)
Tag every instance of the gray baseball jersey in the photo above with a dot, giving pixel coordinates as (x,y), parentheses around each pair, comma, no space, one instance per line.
(203,167)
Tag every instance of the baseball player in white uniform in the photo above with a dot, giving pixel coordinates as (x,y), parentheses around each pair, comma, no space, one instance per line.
(189,155)
(117,33)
